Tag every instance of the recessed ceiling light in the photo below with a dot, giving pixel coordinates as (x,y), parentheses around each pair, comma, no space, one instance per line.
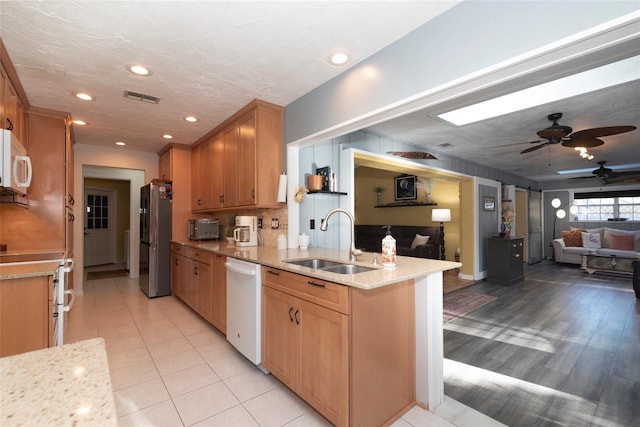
(120,143)
(191,119)
(167,136)
(338,58)
(139,70)
(576,84)
(84,96)
(79,122)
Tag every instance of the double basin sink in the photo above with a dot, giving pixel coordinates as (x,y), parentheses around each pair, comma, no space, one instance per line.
(331,266)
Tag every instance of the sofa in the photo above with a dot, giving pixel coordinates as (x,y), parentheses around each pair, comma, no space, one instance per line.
(413,241)
(603,241)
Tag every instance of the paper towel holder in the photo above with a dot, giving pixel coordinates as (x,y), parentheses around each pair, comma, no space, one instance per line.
(282,188)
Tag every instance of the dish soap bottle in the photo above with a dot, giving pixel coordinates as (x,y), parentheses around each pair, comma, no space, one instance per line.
(388,249)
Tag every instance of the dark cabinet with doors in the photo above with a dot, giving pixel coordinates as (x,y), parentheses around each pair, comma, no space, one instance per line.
(505,260)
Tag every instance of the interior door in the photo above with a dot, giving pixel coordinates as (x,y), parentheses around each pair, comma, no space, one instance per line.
(535,227)
(98,227)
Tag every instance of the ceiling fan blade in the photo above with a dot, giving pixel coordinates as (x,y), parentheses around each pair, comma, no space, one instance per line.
(585,177)
(604,131)
(528,150)
(583,142)
(517,143)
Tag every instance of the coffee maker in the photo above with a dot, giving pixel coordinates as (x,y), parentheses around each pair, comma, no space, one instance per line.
(246,231)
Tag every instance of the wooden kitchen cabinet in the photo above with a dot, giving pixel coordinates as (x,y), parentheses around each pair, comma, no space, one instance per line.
(219,293)
(13,99)
(12,111)
(198,278)
(25,314)
(238,163)
(175,166)
(48,222)
(306,347)
(349,353)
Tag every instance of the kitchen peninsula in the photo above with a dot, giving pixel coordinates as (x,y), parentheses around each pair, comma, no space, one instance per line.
(384,327)
(63,386)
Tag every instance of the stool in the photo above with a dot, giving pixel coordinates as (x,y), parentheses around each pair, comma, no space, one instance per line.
(636,277)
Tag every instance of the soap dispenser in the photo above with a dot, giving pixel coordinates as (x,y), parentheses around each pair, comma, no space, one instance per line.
(388,249)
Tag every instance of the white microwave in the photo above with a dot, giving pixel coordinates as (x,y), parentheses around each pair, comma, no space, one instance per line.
(15,165)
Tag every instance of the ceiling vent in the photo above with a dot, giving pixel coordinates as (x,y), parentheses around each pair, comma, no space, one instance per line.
(141,97)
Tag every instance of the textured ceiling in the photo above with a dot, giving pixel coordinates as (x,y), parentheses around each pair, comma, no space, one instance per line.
(498,142)
(208,58)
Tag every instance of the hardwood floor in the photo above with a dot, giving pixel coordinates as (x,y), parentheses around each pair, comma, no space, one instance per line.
(560,348)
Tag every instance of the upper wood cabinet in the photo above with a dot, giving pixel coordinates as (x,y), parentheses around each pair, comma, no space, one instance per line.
(238,163)
(175,165)
(13,100)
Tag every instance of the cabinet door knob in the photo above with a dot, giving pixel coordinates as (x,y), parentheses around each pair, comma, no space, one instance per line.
(297,319)
(195,270)
(290,316)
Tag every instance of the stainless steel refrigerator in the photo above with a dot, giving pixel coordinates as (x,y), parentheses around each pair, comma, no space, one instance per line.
(155,240)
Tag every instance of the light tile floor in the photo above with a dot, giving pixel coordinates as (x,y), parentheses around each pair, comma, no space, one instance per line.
(171,368)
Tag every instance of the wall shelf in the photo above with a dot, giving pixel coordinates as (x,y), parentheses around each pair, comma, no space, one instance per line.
(337,193)
(405,205)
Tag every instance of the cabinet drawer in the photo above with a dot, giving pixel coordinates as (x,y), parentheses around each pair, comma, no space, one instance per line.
(327,294)
(193,253)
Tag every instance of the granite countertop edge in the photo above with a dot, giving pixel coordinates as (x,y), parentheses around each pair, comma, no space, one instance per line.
(406,267)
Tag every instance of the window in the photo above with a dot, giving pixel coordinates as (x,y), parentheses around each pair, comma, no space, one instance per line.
(605,205)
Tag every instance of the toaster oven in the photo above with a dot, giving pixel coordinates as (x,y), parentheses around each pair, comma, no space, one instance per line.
(203,229)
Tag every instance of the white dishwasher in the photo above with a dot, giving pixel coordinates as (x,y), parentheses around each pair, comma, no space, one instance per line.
(244,308)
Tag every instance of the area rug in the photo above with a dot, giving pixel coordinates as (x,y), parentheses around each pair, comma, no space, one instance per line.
(91,275)
(461,302)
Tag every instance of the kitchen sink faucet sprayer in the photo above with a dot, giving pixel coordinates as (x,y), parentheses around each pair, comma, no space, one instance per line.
(323,227)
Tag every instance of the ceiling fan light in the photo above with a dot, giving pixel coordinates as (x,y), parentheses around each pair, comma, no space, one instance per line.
(580,142)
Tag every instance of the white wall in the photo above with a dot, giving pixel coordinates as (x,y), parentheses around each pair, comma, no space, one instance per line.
(112,163)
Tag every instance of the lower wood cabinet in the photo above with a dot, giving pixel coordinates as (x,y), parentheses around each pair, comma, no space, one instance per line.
(199,279)
(25,314)
(349,353)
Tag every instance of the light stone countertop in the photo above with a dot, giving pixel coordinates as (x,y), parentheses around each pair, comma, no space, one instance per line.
(29,263)
(58,386)
(406,267)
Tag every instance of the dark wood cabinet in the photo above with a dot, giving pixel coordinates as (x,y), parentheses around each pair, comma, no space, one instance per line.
(505,260)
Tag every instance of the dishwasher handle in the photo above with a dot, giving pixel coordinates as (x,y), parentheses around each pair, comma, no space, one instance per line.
(239,270)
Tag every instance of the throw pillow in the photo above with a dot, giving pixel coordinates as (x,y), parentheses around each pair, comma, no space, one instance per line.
(419,241)
(573,237)
(606,240)
(623,242)
(591,240)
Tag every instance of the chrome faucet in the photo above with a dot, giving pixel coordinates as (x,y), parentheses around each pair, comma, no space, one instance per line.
(323,227)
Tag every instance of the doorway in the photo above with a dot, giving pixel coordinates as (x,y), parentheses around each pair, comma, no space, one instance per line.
(99,226)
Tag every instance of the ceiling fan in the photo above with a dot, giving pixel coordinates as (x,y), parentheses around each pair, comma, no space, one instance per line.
(560,134)
(610,176)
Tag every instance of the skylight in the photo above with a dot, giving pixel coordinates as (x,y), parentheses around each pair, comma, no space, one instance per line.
(588,81)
